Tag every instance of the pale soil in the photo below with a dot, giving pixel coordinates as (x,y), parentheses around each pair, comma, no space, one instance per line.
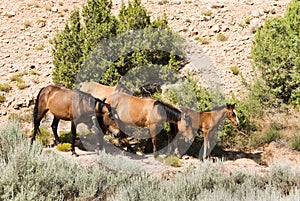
(28,26)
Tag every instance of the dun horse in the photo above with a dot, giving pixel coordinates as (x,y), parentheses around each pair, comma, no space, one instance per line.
(75,106)
(147,112)
(208,121)
(101,91)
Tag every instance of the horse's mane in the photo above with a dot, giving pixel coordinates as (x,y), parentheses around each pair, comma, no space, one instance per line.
(172,113)
(92,100)
(216,108)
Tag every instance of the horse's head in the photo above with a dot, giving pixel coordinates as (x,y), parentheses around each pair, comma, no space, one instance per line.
(109,117)
(185,127)
(231,114)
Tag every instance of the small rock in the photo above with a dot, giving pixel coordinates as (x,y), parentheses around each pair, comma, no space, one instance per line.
(255,14)
(249,3)
(54,9)
(215,6)
(216,28)
(177,2)
(245,38)
(10,13)
(224,27)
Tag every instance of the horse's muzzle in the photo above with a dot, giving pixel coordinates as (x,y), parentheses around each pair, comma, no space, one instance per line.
(115,132)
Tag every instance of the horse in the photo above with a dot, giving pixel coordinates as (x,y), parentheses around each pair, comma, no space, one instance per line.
(75,106)
(101,91)
(151,113)
(208,121)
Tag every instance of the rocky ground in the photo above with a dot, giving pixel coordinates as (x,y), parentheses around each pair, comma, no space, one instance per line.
(28,26)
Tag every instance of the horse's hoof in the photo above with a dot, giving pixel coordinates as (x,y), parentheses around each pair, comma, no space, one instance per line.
(75,154)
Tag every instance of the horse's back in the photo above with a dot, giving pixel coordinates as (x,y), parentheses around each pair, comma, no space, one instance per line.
(194,115)
(132,109)
(97,90)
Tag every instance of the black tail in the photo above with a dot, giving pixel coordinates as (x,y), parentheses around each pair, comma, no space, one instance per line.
(35,113)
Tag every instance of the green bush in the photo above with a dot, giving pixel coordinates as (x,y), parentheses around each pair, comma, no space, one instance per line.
(65,137)
(103,44)
(276,52)
(65,147)
(273,133)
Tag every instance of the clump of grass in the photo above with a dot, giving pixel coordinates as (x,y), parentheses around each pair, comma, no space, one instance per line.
(273,133)
(207,13)
(222,37)
(18,76)
(247,20)
(162,2)
(202,40)
(27,24)
(5,87)
(2,98)
(295,144)
(235,70)
(14,117)
(65,147)
(45,135)
(170,160)
(40,47)
(21,84)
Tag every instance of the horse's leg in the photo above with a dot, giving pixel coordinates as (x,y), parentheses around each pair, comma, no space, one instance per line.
(126,142)
(54,126)
(37,117)
(153,137)
(171,134)
(206,144)
(73,131)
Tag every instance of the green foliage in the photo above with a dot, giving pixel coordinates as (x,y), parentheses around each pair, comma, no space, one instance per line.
(202,40)
(28,173)
(2,98)
(276,51)
(97,46)
(68,52)
(5,87)
(65,147)
(235,70)
(222,37)
(295,144)
(188,94)
(65,137)
(170,160)
(45,136)
(273,133)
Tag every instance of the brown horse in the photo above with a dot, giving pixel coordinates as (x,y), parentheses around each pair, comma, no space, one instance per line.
(75,106)
(208,121)
(101,91)
(148,112)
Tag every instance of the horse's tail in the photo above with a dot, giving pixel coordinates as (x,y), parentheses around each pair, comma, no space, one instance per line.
(35,112)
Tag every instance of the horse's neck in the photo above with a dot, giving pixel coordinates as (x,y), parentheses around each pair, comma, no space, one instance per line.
(219,115)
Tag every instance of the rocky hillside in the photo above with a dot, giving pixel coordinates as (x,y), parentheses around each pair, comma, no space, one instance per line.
(223,29)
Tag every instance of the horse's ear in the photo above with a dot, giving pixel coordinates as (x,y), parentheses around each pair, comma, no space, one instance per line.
(104,100)
(230,106)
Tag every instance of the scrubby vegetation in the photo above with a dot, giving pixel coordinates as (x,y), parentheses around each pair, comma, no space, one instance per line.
(276,52)
(97,46)
(28,173)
